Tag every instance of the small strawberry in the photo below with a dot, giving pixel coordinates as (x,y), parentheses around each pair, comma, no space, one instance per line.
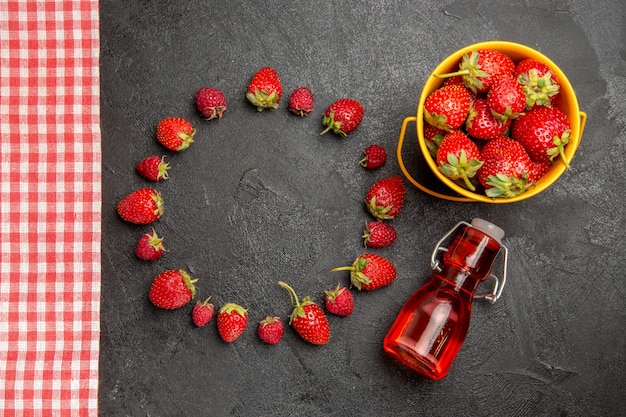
(150,247)
(446,108)
(479,68)
(481,124)
(538,82)
(175,133)
(265,89)
(378,235)
(339,301)
(307,318)
(506,170)
(301,101)
(375,157)
(211,102)
(544,132)
(202,312)
(142,206)
(432,137)
(370,272)
(343,116)
(153,168)
(506,98)
(458,158)
(385,198)
(172,289)
(271,330)
(232,320)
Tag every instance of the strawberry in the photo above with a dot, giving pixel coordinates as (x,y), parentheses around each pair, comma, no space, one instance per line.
(265,89)
(432,137)
(481,124)
(479,68)
(202,312)
(385,198)
(375,157)
(232,320)
(153,168)
(301,101)
(538,170)
(172,289)
(175,133)
(339,301)
(544,132)
(150,247)
(506,98)
(506,168)
(538,82)
(458,158)
(211,102)
(343,116)
(307,318)
(446,108)
(370,272)
(142,206)
(378,235)
(271,330)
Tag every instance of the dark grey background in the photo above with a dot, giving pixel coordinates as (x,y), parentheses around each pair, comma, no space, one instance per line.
(262,197)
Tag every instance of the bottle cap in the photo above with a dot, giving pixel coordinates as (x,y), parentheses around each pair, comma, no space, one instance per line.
(488,228)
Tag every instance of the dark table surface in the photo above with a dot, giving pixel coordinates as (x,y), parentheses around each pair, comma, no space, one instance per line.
(262,197)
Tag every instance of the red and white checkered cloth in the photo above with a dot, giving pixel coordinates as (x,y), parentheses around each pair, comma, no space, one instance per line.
(50,207)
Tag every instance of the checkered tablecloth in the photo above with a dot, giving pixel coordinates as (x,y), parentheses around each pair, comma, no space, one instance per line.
(50,210)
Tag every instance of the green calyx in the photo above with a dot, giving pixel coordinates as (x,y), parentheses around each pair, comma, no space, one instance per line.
(263,100)
(380,212)
(357,277)
(155,240)
(538,89)
(158,202)
(189,282)
(331,124)
(505,186)
(470,71)
(229,308)
(559,147)
(162,169)
(187,139)
(460,168)
(298,310)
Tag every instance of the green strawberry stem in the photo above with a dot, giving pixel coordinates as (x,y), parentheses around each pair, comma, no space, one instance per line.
(189,282)
(559,148)
(332,124)
(357,277)
(298,311)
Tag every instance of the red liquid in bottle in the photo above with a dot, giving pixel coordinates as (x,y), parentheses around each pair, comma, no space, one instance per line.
(431,327)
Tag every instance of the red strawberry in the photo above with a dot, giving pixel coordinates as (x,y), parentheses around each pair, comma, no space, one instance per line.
(175,133)
(301,101)
(539,169)
(375,157)
(544,132)
(506,98)
(446,108)
(307,318)
(172,289)
(265,89)
(202,312)
(506,168)
(271,330)
(343,116)
(458,158)
(150,247)
(370,272)
(211,102)
(386,197)
(538,82)
(232,320)
(479,68)
(432,137)
(142,206)
(153,168)
(378,235)
(481,124)
(339,301)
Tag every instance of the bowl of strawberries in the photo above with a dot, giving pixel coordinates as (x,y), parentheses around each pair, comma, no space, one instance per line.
(497,122)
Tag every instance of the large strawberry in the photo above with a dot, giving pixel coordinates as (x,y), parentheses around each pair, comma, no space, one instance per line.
(458,158)
(142,206)
(175,133)
(446,108)
(506,169)
(506,98)
(384,199)
(538,82)
(265,89)
(370,272)
(479,67)
(343,116)
(307,318)
(232,320)
(481,124)
(544,132)
(172,289)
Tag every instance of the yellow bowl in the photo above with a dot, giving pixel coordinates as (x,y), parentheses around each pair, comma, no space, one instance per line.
(567,103)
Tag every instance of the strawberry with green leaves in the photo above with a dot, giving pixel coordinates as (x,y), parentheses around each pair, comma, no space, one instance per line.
(172,289)
(538,82)
(153,168)
(506,169)
(433,136)
(149,247)
(384,199)
(307,318)
(458,158)
(446,108)
(339,301)
(506,98)
(480,67)
(142,206)
(374,158)
(265,89)
(343,116)
(232,320)
(271,330)
(175,133)
(378,234)
(370,272)
(481,124)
